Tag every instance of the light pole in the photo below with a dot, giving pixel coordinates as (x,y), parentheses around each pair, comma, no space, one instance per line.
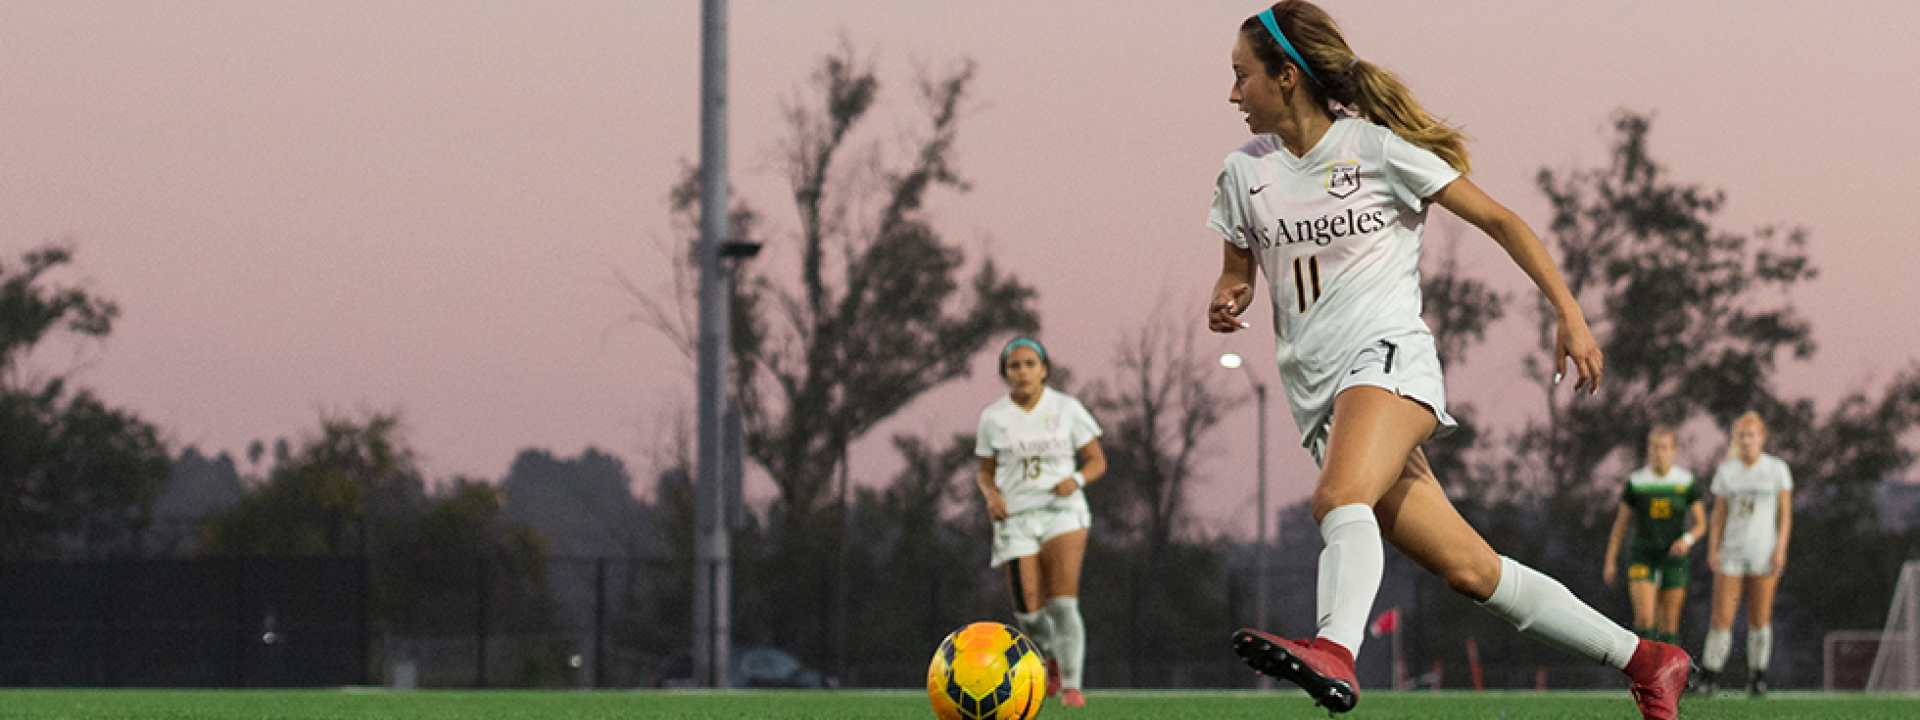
(1232,361)
(713,552)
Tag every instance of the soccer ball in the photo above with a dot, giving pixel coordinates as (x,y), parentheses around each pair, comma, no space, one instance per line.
(986,671)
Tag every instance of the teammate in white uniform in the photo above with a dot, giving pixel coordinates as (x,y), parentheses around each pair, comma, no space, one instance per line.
(1027,444)
(1747,549)
(1331,207)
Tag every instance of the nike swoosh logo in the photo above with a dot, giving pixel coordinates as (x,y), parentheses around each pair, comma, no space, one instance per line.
(1355,371)
(1256,191)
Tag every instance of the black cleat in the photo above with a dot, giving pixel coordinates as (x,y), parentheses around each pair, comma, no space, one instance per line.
(1757,685)
(1706,682)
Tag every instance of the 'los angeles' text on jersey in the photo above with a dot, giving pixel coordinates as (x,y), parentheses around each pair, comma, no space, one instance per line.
(1320,231)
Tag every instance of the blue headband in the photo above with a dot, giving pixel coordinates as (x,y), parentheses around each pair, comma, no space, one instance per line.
(1273,26)
(1022,342)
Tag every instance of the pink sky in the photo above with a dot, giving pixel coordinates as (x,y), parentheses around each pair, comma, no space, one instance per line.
(424,206)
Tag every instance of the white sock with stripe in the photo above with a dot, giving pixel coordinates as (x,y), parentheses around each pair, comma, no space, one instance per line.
(1069,639)
(1719,646)
(1546,610)
(1036,627)
(1759,647)
(1350,568)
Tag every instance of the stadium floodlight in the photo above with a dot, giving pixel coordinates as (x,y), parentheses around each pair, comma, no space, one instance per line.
(739,249)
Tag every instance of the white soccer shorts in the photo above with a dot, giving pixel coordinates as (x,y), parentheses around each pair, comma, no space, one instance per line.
(1022,533)
(1746,562)
(1406,365)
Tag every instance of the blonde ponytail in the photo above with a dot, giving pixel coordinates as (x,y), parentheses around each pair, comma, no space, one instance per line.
(1380,97)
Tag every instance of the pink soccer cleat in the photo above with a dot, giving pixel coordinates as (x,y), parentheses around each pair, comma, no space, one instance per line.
(1322,667)
(1659,674)
(1071,697)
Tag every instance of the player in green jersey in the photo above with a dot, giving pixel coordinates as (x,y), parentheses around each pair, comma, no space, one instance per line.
(1656,502)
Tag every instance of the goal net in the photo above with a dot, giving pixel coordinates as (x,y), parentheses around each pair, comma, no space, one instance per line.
(1897,665)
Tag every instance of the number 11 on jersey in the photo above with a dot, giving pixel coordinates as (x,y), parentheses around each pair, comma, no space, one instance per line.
(1301,280)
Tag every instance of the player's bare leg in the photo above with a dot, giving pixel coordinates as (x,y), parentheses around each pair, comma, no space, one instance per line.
(1025,585)
(1759,590)
(1373,430)
(1416,516)
(1060,560)
(1666,614)
(1642,594)
(1726,600)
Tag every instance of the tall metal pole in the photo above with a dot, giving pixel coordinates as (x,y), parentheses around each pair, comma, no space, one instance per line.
(843,576)
(1260,545)
(712,554)
(1260,553)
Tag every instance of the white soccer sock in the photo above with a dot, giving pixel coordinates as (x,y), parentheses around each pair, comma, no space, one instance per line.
(1036,626)
(1350,568)
(1759,647)
(1069,639)
(1719,645)
(1544,609)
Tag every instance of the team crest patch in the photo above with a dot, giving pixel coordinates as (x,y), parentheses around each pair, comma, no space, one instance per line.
(1343,178)
(1053,422)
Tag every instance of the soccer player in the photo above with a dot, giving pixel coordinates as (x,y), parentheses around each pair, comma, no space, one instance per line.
(1027,443)
(1328,200)
(1747,549)
(1657,502)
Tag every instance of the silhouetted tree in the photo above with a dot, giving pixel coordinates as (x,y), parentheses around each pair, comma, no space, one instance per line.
(77,477)
(354,490)
(327,496)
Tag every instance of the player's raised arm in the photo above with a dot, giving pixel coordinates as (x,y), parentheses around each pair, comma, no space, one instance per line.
(1573,341)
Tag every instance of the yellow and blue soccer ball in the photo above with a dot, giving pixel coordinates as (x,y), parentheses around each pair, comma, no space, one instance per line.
(987,671)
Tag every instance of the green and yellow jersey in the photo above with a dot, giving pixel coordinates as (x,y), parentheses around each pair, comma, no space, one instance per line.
(1660,505)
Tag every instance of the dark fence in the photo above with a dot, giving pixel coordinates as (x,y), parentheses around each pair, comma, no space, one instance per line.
(238,622)
(583,623)
(622,622)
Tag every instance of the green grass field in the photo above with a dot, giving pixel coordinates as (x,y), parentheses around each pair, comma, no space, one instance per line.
(903,705)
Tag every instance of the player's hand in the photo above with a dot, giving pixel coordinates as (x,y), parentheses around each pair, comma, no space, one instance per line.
(1609,574)
(996,507)
(1779,561)
(1713,560)
(1574,343)
(1066,488)
(1680,548)
(1223,313)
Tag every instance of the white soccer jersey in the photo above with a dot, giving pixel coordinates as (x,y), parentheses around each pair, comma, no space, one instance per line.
(1337,234)
(1034,450)
(1752,495)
